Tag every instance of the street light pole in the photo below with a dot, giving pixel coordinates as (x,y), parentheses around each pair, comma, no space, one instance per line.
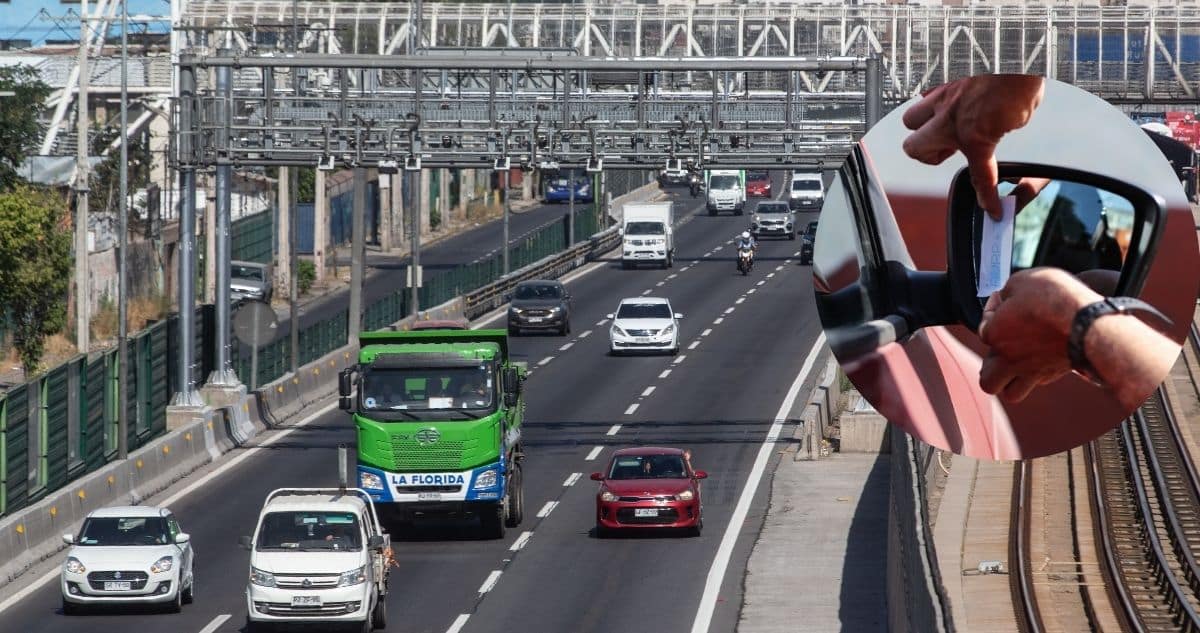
(122,248)
(82,302)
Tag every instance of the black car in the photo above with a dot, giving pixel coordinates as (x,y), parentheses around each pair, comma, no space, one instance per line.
(807,239)
(539,305)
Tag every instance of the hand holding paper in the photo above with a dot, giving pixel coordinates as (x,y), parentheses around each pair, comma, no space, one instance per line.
(995,249)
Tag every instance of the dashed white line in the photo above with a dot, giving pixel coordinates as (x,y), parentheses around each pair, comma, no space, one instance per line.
(520,542)
(752,291)
(490,581)
(706,332)
(718,320)
(646,291)
(684,268)
(614,429)
(659,284)
(572,479)
(585,334)
(728,310)
(633,407)
(459,623)
(545,360)
(787,261)
(566,346)
(761,282)
(796,254)
(547,509)
(708,254)
(679,359)
(739,300)
(770,275)
(672,275)
(601,322)
(719,248)
(665,373)
(216,623)
(592,455)
(779,268)
(693,345)
(649,390)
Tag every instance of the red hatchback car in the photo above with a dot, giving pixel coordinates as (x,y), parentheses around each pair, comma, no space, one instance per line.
(649,487)
(758,184)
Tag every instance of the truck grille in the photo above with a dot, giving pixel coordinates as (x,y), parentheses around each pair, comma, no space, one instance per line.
(445,455)
(285,609)
(296,581)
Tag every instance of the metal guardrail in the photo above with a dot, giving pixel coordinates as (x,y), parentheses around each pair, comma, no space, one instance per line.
(493,295)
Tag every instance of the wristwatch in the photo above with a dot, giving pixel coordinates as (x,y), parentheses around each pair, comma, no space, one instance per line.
(1088,315)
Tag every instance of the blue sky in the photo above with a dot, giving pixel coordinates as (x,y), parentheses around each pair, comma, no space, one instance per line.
(27,19)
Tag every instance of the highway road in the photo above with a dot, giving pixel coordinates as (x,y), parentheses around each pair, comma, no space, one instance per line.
(744,338)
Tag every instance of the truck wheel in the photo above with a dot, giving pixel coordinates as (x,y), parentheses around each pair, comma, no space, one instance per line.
(516,500)
(492,522)
(379,615)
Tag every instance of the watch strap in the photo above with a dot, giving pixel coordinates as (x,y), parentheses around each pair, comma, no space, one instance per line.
(1090,313)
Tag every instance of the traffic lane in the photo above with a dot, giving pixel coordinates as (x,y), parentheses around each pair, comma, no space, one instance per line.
(651,581)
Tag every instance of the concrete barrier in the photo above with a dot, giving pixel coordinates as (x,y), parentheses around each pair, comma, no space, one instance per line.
(818,411)
(646,193)
(863,429)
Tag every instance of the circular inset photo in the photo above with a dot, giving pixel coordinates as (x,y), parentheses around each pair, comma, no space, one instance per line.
(1019,304)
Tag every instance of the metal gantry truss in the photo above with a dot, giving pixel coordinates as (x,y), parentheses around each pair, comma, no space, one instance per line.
(539,109)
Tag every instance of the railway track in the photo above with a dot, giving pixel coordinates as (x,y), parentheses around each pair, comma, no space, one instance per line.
(1146,507)
(1029,617)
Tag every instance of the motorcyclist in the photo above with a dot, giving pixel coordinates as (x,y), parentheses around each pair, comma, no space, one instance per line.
(747,241)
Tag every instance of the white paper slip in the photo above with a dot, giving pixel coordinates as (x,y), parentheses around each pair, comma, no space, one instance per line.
(995,249)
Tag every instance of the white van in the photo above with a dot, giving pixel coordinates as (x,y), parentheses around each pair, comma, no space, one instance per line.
(806,191)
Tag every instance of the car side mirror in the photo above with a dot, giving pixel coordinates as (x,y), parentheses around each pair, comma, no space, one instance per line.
(678,315)
(700,474)
(375,542)
(597,477)
(345,388)
(510,399)
(1102,229)
(512,381)
(182,537)
(244,542)
(69,539)
(609,316)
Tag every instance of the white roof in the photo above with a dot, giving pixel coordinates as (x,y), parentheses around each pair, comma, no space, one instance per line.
(128,511)
(644,300)
(315,502)
(806,175)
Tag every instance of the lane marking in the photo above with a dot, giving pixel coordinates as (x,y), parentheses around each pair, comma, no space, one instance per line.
(601,322)
(459,623)
(547,509)
(708,254)
(649,390)
(672,275)
(666,372)
(779,268)
(787,261)
(770,275)
(502,311)
(706,332)
(659,284)
(633,407)
(520,542)
(679,359)
(752,291)
(718,320)
(728,310)
(545,360)
(739,300)
(490,582)
(646,292)
(614,429)
(592,455)
(719,248)
(572,479)
(761,282)
(585,334)
(684,269)
(716,573)
(796,254)
(693,345)
(216,623)
(566,346)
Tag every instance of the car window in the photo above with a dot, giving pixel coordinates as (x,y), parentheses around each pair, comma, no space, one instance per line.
(806,185)
(172,526)
(247,272)
(648,467)
(644,311)
(124,531)
(645,228)
(772,208)
(309,530)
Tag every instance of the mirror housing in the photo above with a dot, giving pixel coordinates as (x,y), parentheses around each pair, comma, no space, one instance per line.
(512,380)
(244,542)
(597,477)
(182,537)
(69,539)
(678,315)
(609,316)
(964,221)
(344,384)
(700,474)
(510,399)
(375,542)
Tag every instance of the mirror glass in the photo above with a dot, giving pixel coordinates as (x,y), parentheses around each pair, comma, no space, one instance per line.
(1070,225)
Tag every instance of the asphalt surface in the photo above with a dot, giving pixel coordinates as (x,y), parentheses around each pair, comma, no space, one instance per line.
(744,340)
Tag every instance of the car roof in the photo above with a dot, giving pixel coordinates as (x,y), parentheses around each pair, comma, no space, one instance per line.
(540,282)
(644,300)
(806,175)
(648,450)
(771,203)
(315,502)
(128,511)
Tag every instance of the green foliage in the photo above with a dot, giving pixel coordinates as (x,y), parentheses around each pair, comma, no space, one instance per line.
(306,274)
(35,267)
(18,119)
(105,178)
(306,184)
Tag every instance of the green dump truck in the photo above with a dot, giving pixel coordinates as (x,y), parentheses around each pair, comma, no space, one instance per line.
(438,414)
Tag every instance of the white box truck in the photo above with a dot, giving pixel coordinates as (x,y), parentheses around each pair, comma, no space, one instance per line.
(726,191)
(647,234)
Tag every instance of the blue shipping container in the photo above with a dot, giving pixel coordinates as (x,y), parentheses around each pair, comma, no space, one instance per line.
(1089,48)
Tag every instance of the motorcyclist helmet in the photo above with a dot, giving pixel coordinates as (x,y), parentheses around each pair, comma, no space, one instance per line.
(745,235)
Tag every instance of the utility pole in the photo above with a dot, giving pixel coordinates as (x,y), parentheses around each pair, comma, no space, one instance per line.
(571,212)
(412,179)
(357,247)
(293,196)
(507,212)
(82,300)
(223,374)
(122,249)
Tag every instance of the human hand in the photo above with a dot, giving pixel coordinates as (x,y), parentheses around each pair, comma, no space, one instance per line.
(1027,324)
(971,115)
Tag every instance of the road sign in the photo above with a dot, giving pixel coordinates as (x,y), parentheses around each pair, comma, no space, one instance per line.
(255,323)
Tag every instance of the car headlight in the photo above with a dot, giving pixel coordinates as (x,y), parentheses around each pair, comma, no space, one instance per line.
(556,309)
(162,565)
(607,496)
(686,495)
(486,479)
(262,578)
(75,566)
(516,310)
(669,330)
(353,577)
(616,331)
(370,481)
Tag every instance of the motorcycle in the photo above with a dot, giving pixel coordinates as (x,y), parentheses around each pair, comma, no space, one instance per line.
(695,185)
(745,260)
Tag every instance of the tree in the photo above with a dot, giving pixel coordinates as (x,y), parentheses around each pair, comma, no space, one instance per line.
(104,197)
(18,119)
(35,267)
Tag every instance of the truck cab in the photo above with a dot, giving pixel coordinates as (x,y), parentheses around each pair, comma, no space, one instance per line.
(318,555)
(726,191)
(648,234)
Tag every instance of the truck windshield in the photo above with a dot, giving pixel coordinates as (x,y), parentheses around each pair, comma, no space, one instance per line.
(124,531)
(723,182)
(429,388)
(806,185)
(309,530)
(644,228)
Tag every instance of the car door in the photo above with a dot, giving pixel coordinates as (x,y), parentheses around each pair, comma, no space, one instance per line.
(184,549)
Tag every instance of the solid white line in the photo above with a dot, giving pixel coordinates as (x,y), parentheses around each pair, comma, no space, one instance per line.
(633,407)
(595,453)
(216,623)
(666,372)
(490,581)
(572,479)
(716,573)
(740,300)
(459,623)
(679,359)
(728,310)
(520,542)
(547,509)
(585,334)
(614,429)
(706,332)
(770,275)
(566,346)
(545,360)
(761,282)
(649,390)
(718,320)
(693,345)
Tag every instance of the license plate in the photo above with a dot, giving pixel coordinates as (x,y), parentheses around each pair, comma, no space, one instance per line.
(536,319)
(642,339)
(306,601)
(429,496)
(645,512)
(120,585)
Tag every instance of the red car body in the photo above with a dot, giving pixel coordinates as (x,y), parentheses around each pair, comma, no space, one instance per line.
(758,188)
(625,502)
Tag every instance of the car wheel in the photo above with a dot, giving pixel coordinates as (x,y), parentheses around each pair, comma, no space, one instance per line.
(176,605)
(601,531)
(70,608)
(256,627)
(792,236)
(189,594)
(379,615)
(565,329)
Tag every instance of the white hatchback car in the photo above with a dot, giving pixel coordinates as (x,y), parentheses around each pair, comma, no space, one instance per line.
(128,554)
(644,324)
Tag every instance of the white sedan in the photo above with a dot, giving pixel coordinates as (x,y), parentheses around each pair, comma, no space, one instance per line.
(644,324)
(129,554)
